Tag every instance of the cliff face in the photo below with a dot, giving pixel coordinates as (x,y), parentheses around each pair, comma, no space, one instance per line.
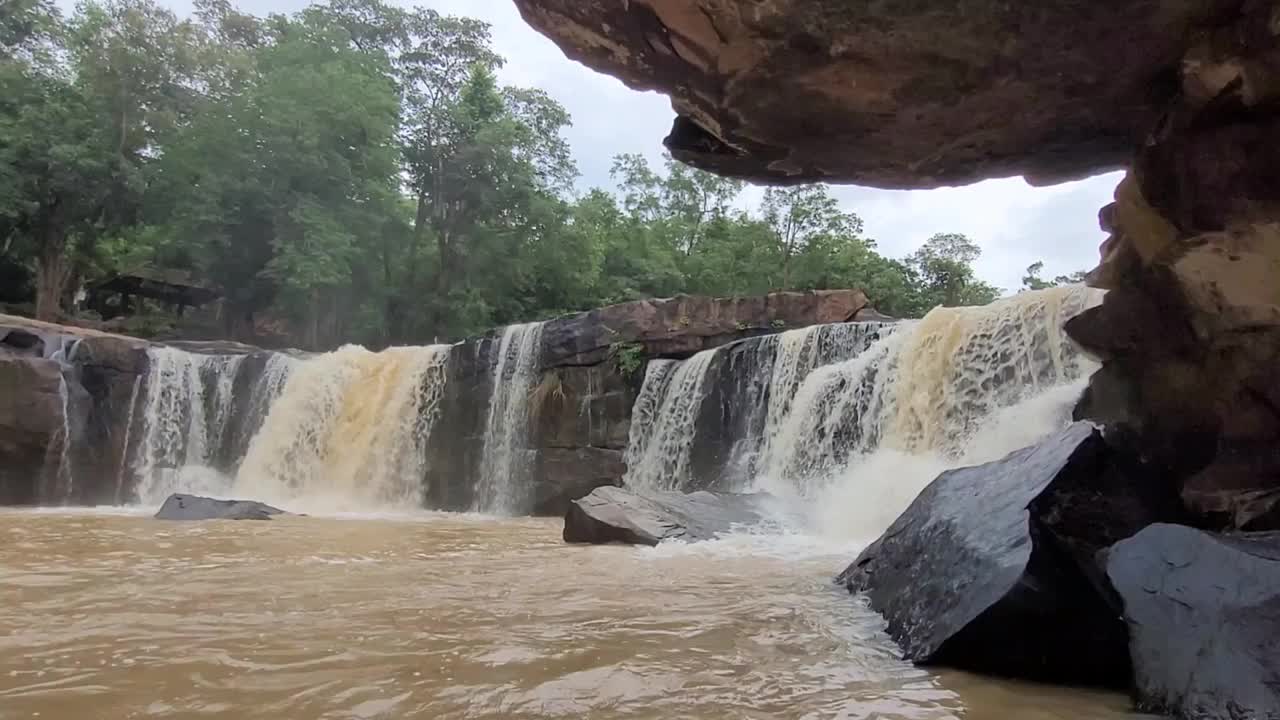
(61,390)
(76,405)
(590,368)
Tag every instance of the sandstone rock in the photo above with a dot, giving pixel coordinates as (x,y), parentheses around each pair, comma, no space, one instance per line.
(611,514)
(1204,617)
(194,507)
(991,568)
(889,94)
(31,422)
(686,324)
(563,475)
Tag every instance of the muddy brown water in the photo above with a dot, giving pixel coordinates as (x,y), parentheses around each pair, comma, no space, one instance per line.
(115,615)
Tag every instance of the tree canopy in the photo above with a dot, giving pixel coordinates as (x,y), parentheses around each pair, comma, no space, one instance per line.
(355,172)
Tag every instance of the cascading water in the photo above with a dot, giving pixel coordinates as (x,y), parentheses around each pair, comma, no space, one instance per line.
(855,419)
(267,388)
(59,471)
(349,431)
(121,476)
(791,357)
(960,387)
(186,409)
(504,469)
(660,444)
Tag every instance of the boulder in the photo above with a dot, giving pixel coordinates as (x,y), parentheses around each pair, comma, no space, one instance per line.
(991,568)
(1203,612)
(194,507)
(617,515)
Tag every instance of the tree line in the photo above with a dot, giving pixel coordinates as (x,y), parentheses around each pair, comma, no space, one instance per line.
(356,171)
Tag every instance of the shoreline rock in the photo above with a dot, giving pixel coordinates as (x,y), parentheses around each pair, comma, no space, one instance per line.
(991,569)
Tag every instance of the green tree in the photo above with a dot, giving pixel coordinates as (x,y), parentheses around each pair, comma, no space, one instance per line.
(80,124)
(943,268)
(1032,280)
(279,186)
(802,217)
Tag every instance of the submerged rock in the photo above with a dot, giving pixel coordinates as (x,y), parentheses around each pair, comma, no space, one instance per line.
(984,570)
(1204,620)
(612,514)
(194,507)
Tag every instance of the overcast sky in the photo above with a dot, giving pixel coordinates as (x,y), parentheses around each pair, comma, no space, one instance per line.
(1014,223)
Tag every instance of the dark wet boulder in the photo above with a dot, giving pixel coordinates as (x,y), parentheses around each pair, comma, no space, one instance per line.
(992,568)
(1203,612)
(194,507)
(613,514)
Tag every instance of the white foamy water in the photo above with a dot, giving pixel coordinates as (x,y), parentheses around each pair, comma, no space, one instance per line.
(658,452)
(348,432)
(961,387)
(187,406)
(505,468)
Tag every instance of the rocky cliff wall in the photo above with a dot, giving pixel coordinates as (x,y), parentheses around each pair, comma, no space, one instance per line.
(78,408)
(590,368)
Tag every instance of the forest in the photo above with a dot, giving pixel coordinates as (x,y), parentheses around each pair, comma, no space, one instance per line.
(355,172)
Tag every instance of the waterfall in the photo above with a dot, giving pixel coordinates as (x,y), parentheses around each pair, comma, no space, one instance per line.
(505,466)
(266,389)
(187,406)
(128,435)
(647,408)
(660,444)
(348,431)
(59,481)
(795,354)
(767,374)
(960,387)
(855,419)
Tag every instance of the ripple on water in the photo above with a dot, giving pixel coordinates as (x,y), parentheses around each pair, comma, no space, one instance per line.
(109,614)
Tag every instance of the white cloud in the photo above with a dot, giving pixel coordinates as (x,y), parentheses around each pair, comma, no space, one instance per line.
(1015,224)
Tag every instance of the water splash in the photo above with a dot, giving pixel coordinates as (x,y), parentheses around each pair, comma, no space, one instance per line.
(660,449)
(505,467)
(348,431)
(962,386)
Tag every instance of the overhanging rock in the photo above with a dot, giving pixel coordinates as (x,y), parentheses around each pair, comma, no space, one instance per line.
(903,95)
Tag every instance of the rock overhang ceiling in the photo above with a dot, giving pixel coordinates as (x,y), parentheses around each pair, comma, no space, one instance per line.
(909,94)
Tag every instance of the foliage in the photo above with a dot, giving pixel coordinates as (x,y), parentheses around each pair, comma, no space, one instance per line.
(628,358)
(356,172)
(1032,280)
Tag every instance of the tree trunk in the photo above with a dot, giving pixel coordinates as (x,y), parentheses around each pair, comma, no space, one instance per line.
(52,269)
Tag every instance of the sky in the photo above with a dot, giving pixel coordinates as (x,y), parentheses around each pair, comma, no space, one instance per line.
(1014,223)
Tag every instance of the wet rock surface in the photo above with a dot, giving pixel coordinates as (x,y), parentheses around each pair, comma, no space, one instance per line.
(193,507)
(617,515)
(971,577)
(1203,612)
